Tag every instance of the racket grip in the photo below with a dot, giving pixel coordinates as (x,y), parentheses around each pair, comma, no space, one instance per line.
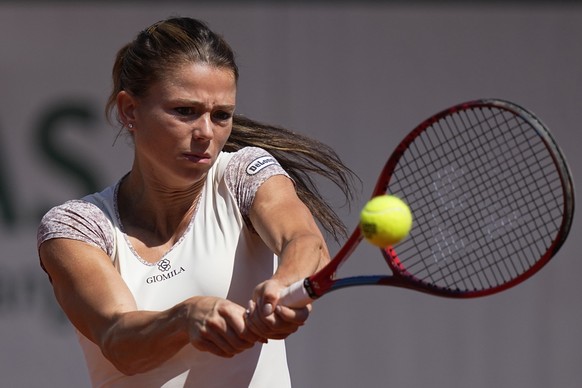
(295,295)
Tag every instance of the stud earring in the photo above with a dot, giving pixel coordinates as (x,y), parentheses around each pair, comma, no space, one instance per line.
(130,126)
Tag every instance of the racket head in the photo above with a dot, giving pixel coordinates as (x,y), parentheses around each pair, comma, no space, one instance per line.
(492,198)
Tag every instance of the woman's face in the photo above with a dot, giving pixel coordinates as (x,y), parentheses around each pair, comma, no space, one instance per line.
(183,122)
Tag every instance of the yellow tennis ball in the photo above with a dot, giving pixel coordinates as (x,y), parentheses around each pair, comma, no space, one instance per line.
(385,220)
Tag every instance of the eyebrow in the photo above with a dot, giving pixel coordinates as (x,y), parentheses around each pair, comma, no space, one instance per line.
(185,101)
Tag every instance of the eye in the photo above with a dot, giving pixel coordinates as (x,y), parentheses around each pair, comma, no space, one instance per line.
(222,115)
(185,111)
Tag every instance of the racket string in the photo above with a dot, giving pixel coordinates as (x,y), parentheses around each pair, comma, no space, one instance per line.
(492,206)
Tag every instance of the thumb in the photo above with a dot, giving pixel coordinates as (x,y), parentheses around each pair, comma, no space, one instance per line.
(270,298)
(267,309)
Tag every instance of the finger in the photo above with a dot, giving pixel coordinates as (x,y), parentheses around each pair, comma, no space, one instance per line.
(269,298)
(256,320)
(267,309)
(209,345)
(250,327)
(238,333)
(231,342)
(224,336)
(273,326)
(296,316)
(288,320)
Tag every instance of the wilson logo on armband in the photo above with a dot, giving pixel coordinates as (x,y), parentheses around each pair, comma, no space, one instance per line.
(260,163)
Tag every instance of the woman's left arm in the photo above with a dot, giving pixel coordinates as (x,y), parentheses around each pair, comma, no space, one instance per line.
(288,228)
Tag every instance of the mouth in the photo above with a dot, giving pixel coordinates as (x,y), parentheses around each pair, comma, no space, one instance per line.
(198,158)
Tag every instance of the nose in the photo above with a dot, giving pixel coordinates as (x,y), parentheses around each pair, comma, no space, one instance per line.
(203,128)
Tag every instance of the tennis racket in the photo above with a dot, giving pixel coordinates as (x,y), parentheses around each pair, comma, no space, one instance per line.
(492,199)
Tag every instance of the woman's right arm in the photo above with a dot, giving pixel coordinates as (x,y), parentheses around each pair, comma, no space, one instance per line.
(100,305)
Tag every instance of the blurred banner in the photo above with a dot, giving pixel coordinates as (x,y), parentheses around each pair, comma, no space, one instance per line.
(357,76)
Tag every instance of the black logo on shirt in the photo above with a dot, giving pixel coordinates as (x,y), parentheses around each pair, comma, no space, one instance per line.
(168,273)
(164,276)
(164,265)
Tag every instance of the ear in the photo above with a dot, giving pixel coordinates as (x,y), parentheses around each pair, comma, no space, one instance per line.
(126,105)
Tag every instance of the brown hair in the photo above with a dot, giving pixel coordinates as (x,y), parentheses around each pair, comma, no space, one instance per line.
(303,158)
(175,41)
(161,47)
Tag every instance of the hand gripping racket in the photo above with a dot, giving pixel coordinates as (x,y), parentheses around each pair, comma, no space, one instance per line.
(492,199)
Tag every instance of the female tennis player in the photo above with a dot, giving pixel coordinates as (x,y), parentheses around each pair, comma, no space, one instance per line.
(156,271)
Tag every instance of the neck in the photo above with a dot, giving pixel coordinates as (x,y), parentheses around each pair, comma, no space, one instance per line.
(156,207)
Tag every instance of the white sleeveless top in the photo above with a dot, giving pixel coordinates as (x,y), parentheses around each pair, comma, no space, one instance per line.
(218,255)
